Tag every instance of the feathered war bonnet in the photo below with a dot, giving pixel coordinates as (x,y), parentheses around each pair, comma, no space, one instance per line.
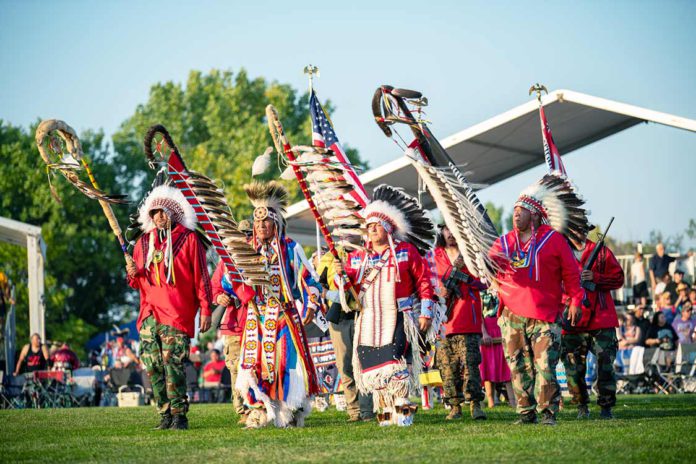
(556,200)
(171,201)
(401,216)
(270,200)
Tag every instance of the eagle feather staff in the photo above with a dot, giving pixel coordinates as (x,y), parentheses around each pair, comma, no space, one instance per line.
(214,215)
(61,150)
(461,209)
(321,178)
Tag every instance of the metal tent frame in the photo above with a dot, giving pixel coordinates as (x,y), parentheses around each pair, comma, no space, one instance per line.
(508,144)
(29,237)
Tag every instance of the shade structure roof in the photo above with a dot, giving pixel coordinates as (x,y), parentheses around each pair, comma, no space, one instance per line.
(508,144)
(16,232)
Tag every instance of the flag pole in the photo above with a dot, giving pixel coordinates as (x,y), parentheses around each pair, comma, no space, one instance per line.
(311,70)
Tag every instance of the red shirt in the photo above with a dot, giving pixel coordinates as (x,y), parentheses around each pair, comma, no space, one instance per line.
(176,303)
(414,272)
(465,316)
(233,321)
(212,372)
(608,275)
(536,290)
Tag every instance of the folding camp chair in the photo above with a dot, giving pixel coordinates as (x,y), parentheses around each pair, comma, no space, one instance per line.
(685,366)
(637,376)
(661,376)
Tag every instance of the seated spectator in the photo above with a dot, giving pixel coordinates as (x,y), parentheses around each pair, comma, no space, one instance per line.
(641,322)
(33,357)
(121,351)
(65,359)
(662,336)
(667,308)
(629,335)
(692,297)
(212,375)
(682,295)
(684,325)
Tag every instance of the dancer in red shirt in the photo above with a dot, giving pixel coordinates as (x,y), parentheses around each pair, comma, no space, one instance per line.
(595,332)
(232,329)
(459,353)
(537,265)
(170,271)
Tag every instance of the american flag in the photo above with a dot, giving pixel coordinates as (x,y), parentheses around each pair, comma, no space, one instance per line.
(553,158)
(323,136)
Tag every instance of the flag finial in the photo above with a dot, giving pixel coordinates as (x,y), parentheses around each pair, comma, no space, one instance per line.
(311,70)
(538,88)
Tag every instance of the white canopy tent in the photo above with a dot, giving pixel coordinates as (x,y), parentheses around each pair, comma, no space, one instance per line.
(508,144)
(29,237)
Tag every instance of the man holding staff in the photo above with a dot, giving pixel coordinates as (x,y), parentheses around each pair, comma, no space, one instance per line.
(169,270)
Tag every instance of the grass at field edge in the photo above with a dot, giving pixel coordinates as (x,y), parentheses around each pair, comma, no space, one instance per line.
(647,429)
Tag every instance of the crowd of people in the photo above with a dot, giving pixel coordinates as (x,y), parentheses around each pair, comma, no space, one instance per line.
(666,323)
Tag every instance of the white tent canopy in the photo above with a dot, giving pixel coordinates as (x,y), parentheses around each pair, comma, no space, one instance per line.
(28,236)
(508,144)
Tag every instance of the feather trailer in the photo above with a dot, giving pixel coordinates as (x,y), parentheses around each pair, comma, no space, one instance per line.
(262,163)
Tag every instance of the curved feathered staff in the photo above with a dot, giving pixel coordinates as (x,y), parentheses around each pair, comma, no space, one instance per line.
(61,150)
(243,262)
(461,209)
(321,177)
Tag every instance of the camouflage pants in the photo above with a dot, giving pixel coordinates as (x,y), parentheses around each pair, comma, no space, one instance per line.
(233,346)
(163,350)
(604,345)
(458,358)
(532,349)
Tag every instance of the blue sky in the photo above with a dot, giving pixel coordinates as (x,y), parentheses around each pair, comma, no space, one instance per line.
(90,63)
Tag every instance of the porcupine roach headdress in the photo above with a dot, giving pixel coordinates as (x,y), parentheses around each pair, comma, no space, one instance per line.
(557,201)
(270,200)
(401,216)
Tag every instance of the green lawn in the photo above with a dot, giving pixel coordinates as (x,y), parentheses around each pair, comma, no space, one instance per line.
(656,429)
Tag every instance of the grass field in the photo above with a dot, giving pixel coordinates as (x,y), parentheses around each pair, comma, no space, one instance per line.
(656,429)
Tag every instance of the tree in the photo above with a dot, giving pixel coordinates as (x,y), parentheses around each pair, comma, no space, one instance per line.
(496,215)
(218,121)
(508,222)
